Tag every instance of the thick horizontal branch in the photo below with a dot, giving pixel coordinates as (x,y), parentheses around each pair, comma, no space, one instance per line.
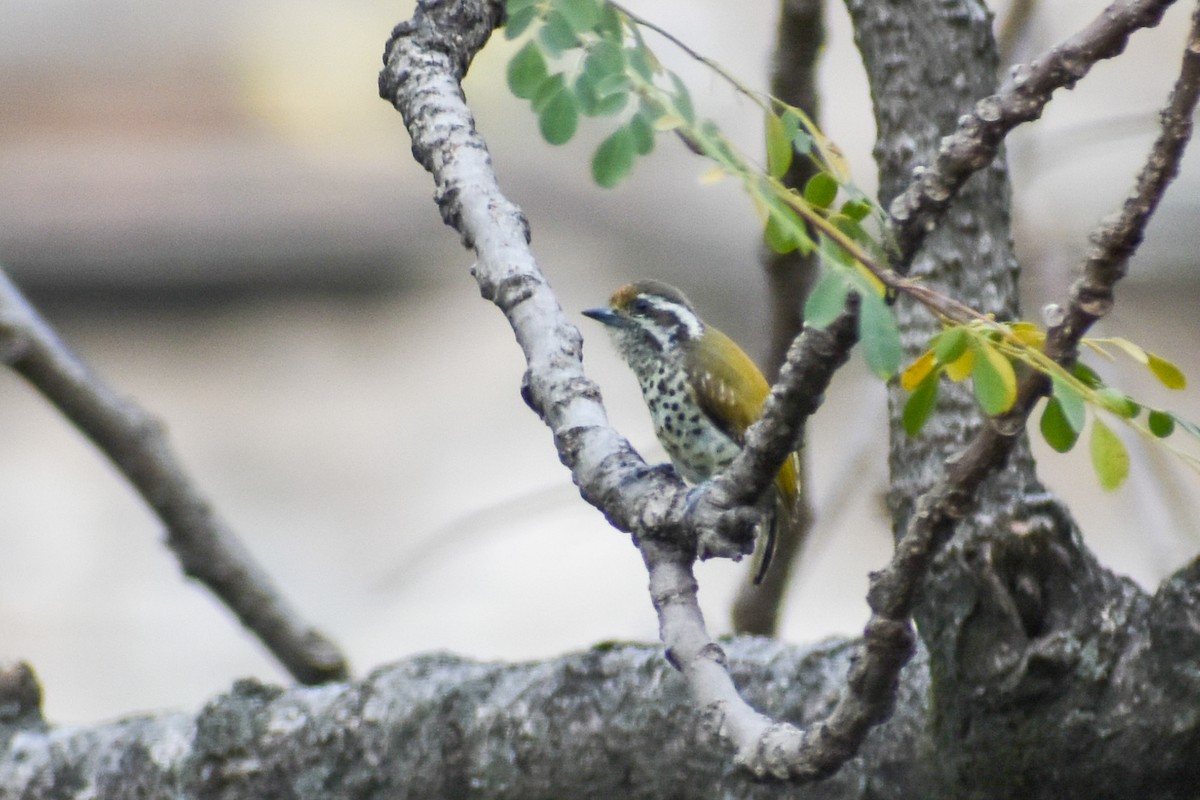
(135,442)
(611,722)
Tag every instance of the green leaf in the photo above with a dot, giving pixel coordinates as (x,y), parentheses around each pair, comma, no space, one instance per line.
(785,230)
(1086,375)
(1110,459)
(1055,427)
(547,89)
(557,34)
(1171,376)
(1071,404)
(879,335)
(527,71)
(1161,423)
(827,300)
(581,15)
(803,142)
(779,146)
(641,62)
(643,133)
(856,210)
(519,19)
(921,403)
(604,59)
(597,101)
(559,118)
(614,158)
(994,379)
(611,28)
(950,344)
(821,190)
(683,100)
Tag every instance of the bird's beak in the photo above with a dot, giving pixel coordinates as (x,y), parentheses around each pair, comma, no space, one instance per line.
(606,316)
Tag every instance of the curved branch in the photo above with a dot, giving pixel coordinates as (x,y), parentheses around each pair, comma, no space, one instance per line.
(424,62)
(135,442)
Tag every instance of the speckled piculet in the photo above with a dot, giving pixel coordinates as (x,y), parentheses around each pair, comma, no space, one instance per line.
(702,390)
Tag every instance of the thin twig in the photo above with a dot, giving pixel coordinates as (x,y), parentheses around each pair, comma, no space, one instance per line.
(206,547)
(915,211)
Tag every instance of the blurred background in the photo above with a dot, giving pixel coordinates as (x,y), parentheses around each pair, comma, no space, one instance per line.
(214,207)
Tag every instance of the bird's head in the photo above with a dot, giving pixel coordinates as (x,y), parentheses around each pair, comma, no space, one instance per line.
(649,319)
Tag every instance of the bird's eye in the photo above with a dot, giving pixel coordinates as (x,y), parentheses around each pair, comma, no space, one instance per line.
(640,305)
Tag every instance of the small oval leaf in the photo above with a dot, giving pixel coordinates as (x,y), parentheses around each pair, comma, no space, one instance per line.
(614,158)
(683,100)
(779,146)
(960,368)
(856,210)
(1072,405)
(643,133)
(1110,459)
(581,15)
(1056,430)
(950,345)
(920,404)
(1161,423)
(916,372)
(559,118)
(826,301)
(994,379)
(526,71)
(879,335)
(784,231)
(519,19)
(1171,376)
(1086,375)
(821,190)
(557,34)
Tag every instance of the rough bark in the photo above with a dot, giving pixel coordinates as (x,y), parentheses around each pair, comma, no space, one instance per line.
(1041,659)
(1046,676)
(615,721)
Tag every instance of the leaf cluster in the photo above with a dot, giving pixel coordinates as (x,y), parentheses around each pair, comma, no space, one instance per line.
(991,354)
(589,58)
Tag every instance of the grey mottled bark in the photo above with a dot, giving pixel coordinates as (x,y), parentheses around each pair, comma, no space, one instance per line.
(1046,675)
(614,722)
(1042,659)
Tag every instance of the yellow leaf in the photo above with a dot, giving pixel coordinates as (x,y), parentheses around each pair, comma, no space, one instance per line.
(1132,350)
(962,366)
(779,146)
(995,380)
(1171,376)
(1028,334)
(714,175)
(918,371)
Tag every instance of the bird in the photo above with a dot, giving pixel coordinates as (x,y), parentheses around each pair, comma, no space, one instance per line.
(701,389)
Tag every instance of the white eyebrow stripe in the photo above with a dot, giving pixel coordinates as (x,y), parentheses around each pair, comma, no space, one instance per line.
(685,315)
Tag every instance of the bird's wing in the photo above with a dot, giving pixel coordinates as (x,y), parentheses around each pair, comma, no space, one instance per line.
(731,390)
(729,387)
